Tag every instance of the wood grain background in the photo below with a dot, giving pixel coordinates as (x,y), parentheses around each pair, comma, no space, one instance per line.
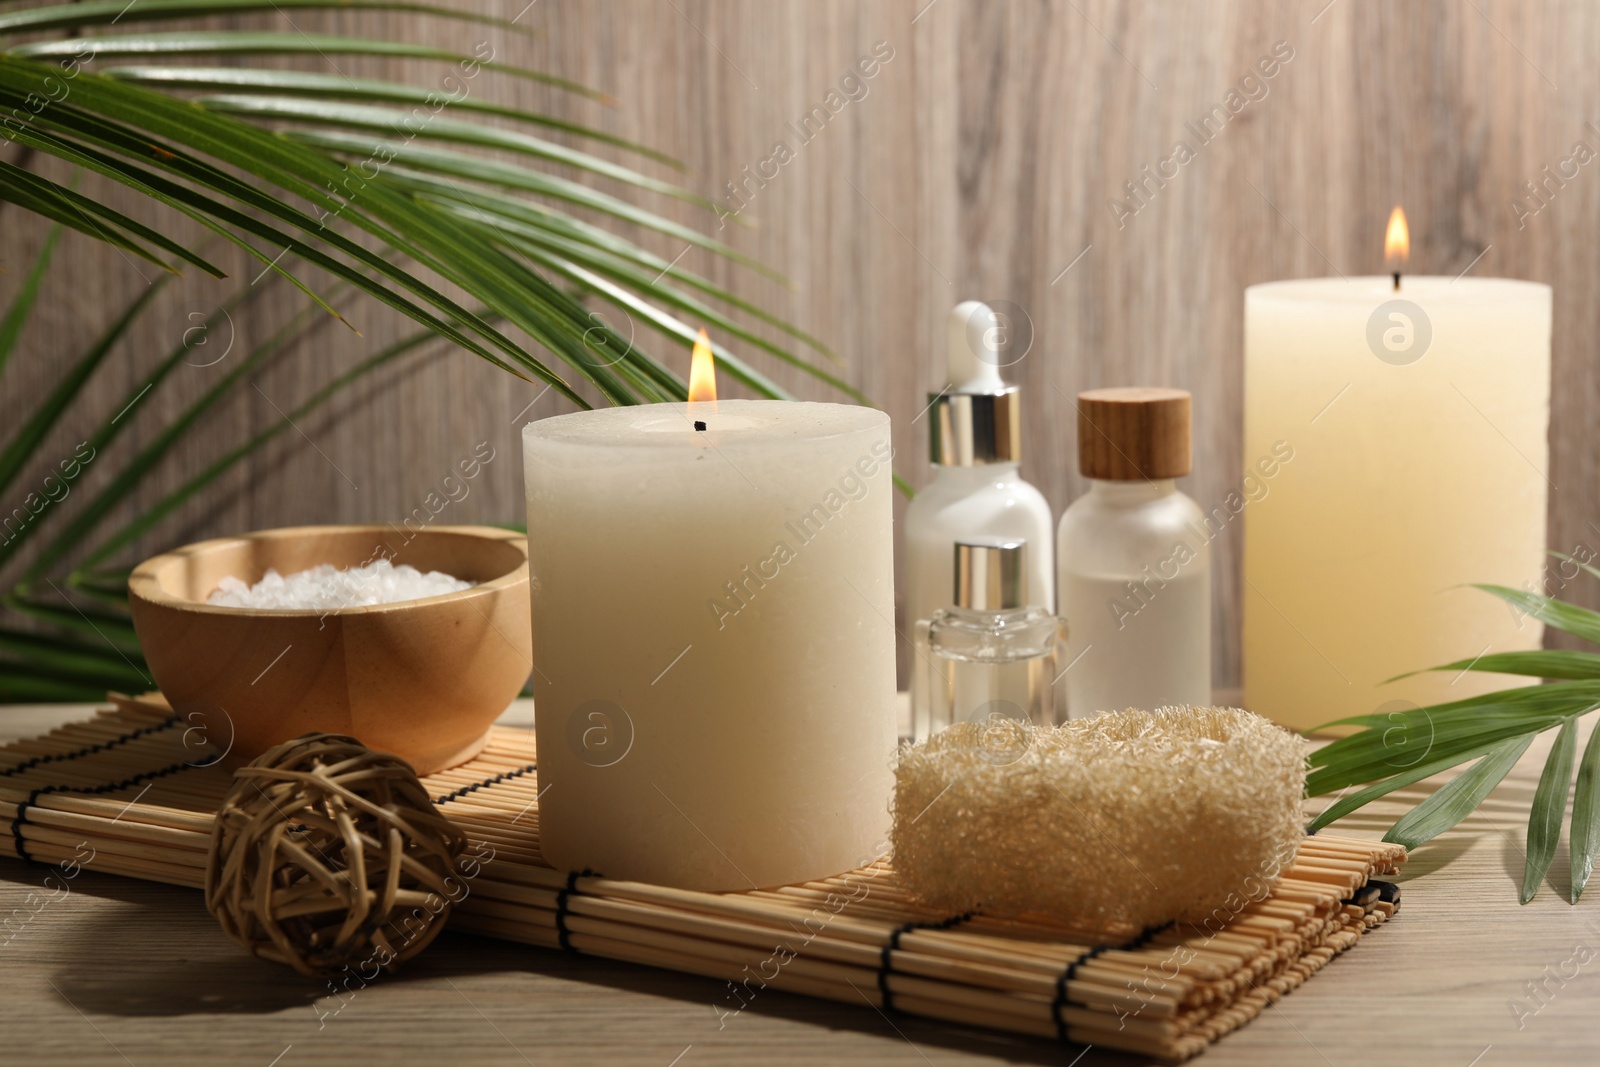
(982,161)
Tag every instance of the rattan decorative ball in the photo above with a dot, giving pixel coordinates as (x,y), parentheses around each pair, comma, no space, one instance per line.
(329,856)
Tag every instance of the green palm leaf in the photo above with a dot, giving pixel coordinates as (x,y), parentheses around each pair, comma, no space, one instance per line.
(1410,776)
(86,215)
(387,188)
(113,629)
(88,516)
(409,125)
(28,437)
(22,303)
(151,516)
(416,162)
(1549,807)
(85,650)
(1585,834)
(1459,797)
(1542,663)
(1494,729)
(339,87)
(120,115)
(252,43)
(1568,618)
(112,12)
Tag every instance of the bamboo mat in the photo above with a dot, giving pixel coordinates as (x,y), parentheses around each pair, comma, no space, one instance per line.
(128,792)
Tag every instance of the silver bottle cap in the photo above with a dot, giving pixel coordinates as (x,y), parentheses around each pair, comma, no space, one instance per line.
(991,573)
(969,429)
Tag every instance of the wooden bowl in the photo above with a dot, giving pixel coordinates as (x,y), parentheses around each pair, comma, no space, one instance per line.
(423,679)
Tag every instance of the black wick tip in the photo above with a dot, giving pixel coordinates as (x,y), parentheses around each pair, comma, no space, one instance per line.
(1397,281)
(699,425)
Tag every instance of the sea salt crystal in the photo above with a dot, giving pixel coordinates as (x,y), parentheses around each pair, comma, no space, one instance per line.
(327,588)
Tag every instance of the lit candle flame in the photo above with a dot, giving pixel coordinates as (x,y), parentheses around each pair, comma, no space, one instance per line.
(703,374)
(1397,242)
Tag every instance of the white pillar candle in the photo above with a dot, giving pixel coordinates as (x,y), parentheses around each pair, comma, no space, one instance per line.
(1417,458)
(713,640)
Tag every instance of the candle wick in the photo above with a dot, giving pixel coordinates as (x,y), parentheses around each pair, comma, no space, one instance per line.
(699,425)
(1397,281)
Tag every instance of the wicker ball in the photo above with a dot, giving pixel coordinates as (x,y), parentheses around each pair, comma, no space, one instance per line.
(327,856)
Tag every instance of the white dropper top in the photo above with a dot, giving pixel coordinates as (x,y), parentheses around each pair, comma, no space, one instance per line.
(972,336)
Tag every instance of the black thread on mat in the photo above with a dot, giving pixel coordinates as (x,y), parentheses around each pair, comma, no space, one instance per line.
(21,818)
(1364,897)
(886,954)
(486,783)
(115,742)
(1059,1003)
(17,822)
(1388,892)
(563,937)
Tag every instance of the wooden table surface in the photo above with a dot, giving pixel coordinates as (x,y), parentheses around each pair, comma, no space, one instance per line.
(127,972)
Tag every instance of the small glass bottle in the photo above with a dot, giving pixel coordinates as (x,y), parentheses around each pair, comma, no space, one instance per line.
(1134,559)
(990,655)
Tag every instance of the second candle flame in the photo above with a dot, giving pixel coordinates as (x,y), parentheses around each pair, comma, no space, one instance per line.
(703,373)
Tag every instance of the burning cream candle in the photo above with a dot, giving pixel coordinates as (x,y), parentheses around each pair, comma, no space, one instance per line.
(1414,421)
(713,640)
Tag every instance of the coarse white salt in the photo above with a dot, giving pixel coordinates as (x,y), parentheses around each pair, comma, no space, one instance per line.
(327,588)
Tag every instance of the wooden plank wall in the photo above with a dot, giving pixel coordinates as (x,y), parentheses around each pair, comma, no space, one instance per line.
(983,159)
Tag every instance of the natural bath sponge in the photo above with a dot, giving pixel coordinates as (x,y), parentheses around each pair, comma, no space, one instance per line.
(1129,819)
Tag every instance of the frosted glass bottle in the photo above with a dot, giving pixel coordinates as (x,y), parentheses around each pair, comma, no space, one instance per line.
(964,502)
(974,445)
(1134,563)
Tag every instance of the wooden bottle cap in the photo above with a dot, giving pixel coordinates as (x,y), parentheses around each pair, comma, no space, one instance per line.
(1133,433)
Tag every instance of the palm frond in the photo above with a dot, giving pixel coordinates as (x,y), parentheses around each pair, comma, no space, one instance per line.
(334,87)
(17,312)
(401,194)
(257,140)
(1493,729)
(254,44)
(77,651)
(75,16)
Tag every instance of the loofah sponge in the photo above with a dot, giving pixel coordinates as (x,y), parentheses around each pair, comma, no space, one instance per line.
(1129,819)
